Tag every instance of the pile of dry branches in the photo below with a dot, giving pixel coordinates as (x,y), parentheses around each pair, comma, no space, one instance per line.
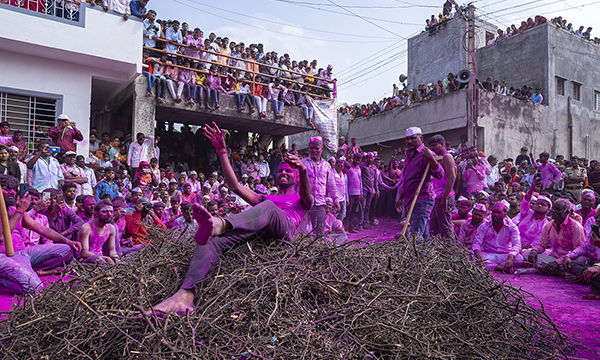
(307,299)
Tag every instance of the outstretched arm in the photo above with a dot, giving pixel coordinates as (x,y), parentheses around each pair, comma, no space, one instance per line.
(215,135)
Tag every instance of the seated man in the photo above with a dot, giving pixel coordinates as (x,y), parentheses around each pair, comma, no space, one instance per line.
(28,237)
(563,234)
(18,273)
(276,216)
(95,233)
(60,218)
(588,206)
(334,227)
(532,219)
(136,231)
(590,249)
(88,206)
(498,241)
(469,227)
(186,224)
(463,207)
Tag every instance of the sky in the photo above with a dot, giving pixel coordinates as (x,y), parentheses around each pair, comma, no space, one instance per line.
(365,41)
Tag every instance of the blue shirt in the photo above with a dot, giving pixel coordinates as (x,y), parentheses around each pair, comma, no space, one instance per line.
(46,174)
(173,36)
(154,32)
(136,9)
(103,188)
(537,98)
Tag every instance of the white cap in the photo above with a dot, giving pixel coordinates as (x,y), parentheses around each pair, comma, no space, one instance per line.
(244,175)
(136,190)
(172,181)
(70,153)
(206,197)
(193,172)
(413,131)
(62,117)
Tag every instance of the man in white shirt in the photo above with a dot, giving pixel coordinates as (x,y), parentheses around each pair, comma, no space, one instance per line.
(14,157)
(138,151)
(87,188)
(490,179)
(45,169)
(118,6)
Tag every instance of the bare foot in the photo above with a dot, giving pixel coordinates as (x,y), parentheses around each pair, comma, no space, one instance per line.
(206,225)
(180,303)
(48,272)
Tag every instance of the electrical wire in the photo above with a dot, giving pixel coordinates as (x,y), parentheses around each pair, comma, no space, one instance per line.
(280,32)
(285,24)
(360,6)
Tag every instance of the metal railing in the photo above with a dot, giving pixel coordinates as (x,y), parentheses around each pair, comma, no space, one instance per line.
(254,74)
(64,9)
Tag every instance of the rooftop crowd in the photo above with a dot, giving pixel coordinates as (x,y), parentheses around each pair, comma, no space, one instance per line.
(530,23)
(407,98)
(543,212)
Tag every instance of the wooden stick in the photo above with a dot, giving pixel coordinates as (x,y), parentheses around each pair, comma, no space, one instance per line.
(8,245)
(414,201)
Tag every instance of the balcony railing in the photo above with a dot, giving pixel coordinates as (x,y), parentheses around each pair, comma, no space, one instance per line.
(254,74)
(63,10)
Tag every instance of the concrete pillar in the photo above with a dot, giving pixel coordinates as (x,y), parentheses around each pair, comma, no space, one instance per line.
(144,112)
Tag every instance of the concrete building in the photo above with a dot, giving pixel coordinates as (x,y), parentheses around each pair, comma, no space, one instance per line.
(563,65)
(52,65)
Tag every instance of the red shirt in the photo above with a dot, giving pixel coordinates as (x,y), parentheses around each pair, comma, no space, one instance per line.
(136,231)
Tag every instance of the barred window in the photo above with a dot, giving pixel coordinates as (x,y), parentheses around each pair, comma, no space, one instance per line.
(32,115)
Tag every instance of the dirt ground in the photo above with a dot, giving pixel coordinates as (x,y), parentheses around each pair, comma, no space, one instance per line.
(576,317)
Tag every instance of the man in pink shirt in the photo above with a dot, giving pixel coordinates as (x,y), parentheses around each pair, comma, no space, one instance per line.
(474,176)
(276,216)
(588,205)
(497,241)
(443,206)
(340,183)
(562,234)
(322,182)
(469,227)
(550,173)
(531,220)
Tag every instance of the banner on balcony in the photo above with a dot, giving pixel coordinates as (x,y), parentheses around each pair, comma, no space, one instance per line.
(325,122)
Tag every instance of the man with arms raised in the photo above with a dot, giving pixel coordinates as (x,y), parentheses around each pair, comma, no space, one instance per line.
(96,232)
(531,220)
(497,241)
(417,157)
(277,216)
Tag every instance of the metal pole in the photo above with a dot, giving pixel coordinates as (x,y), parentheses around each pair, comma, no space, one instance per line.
(471,66)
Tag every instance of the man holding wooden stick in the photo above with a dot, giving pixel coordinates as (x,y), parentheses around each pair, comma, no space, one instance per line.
(18,273)
(415,181)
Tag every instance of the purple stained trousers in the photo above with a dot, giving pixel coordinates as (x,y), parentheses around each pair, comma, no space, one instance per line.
(17,273)
(265,219)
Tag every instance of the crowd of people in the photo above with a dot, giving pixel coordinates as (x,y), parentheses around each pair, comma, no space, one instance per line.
(62,206)
(407,98)
(434,25)
(513,30)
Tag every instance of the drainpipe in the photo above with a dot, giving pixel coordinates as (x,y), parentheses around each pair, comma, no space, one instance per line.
(570,126)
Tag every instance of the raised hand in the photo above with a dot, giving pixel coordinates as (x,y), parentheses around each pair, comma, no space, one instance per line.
(215,135)
(294,162)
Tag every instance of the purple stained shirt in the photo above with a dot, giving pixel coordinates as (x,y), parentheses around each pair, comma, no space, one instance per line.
(506,241)
(291,205)
(355,186)
(414,167)
(550,174)
(5,139)
(322,180)
(530,228)
(368,178)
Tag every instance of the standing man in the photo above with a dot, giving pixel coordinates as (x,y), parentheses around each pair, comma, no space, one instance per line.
(370,189)
(441,216)
(354,210)
(45,170)
(575,176)
(550,173)
(340,181)
(138,152)
(322,182)
(417,158)
(88,187)
(65,134)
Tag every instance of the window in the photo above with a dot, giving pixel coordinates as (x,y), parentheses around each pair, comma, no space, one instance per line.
(560,86)
(32,115)
(576,91)
(597,100)
(488,37)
